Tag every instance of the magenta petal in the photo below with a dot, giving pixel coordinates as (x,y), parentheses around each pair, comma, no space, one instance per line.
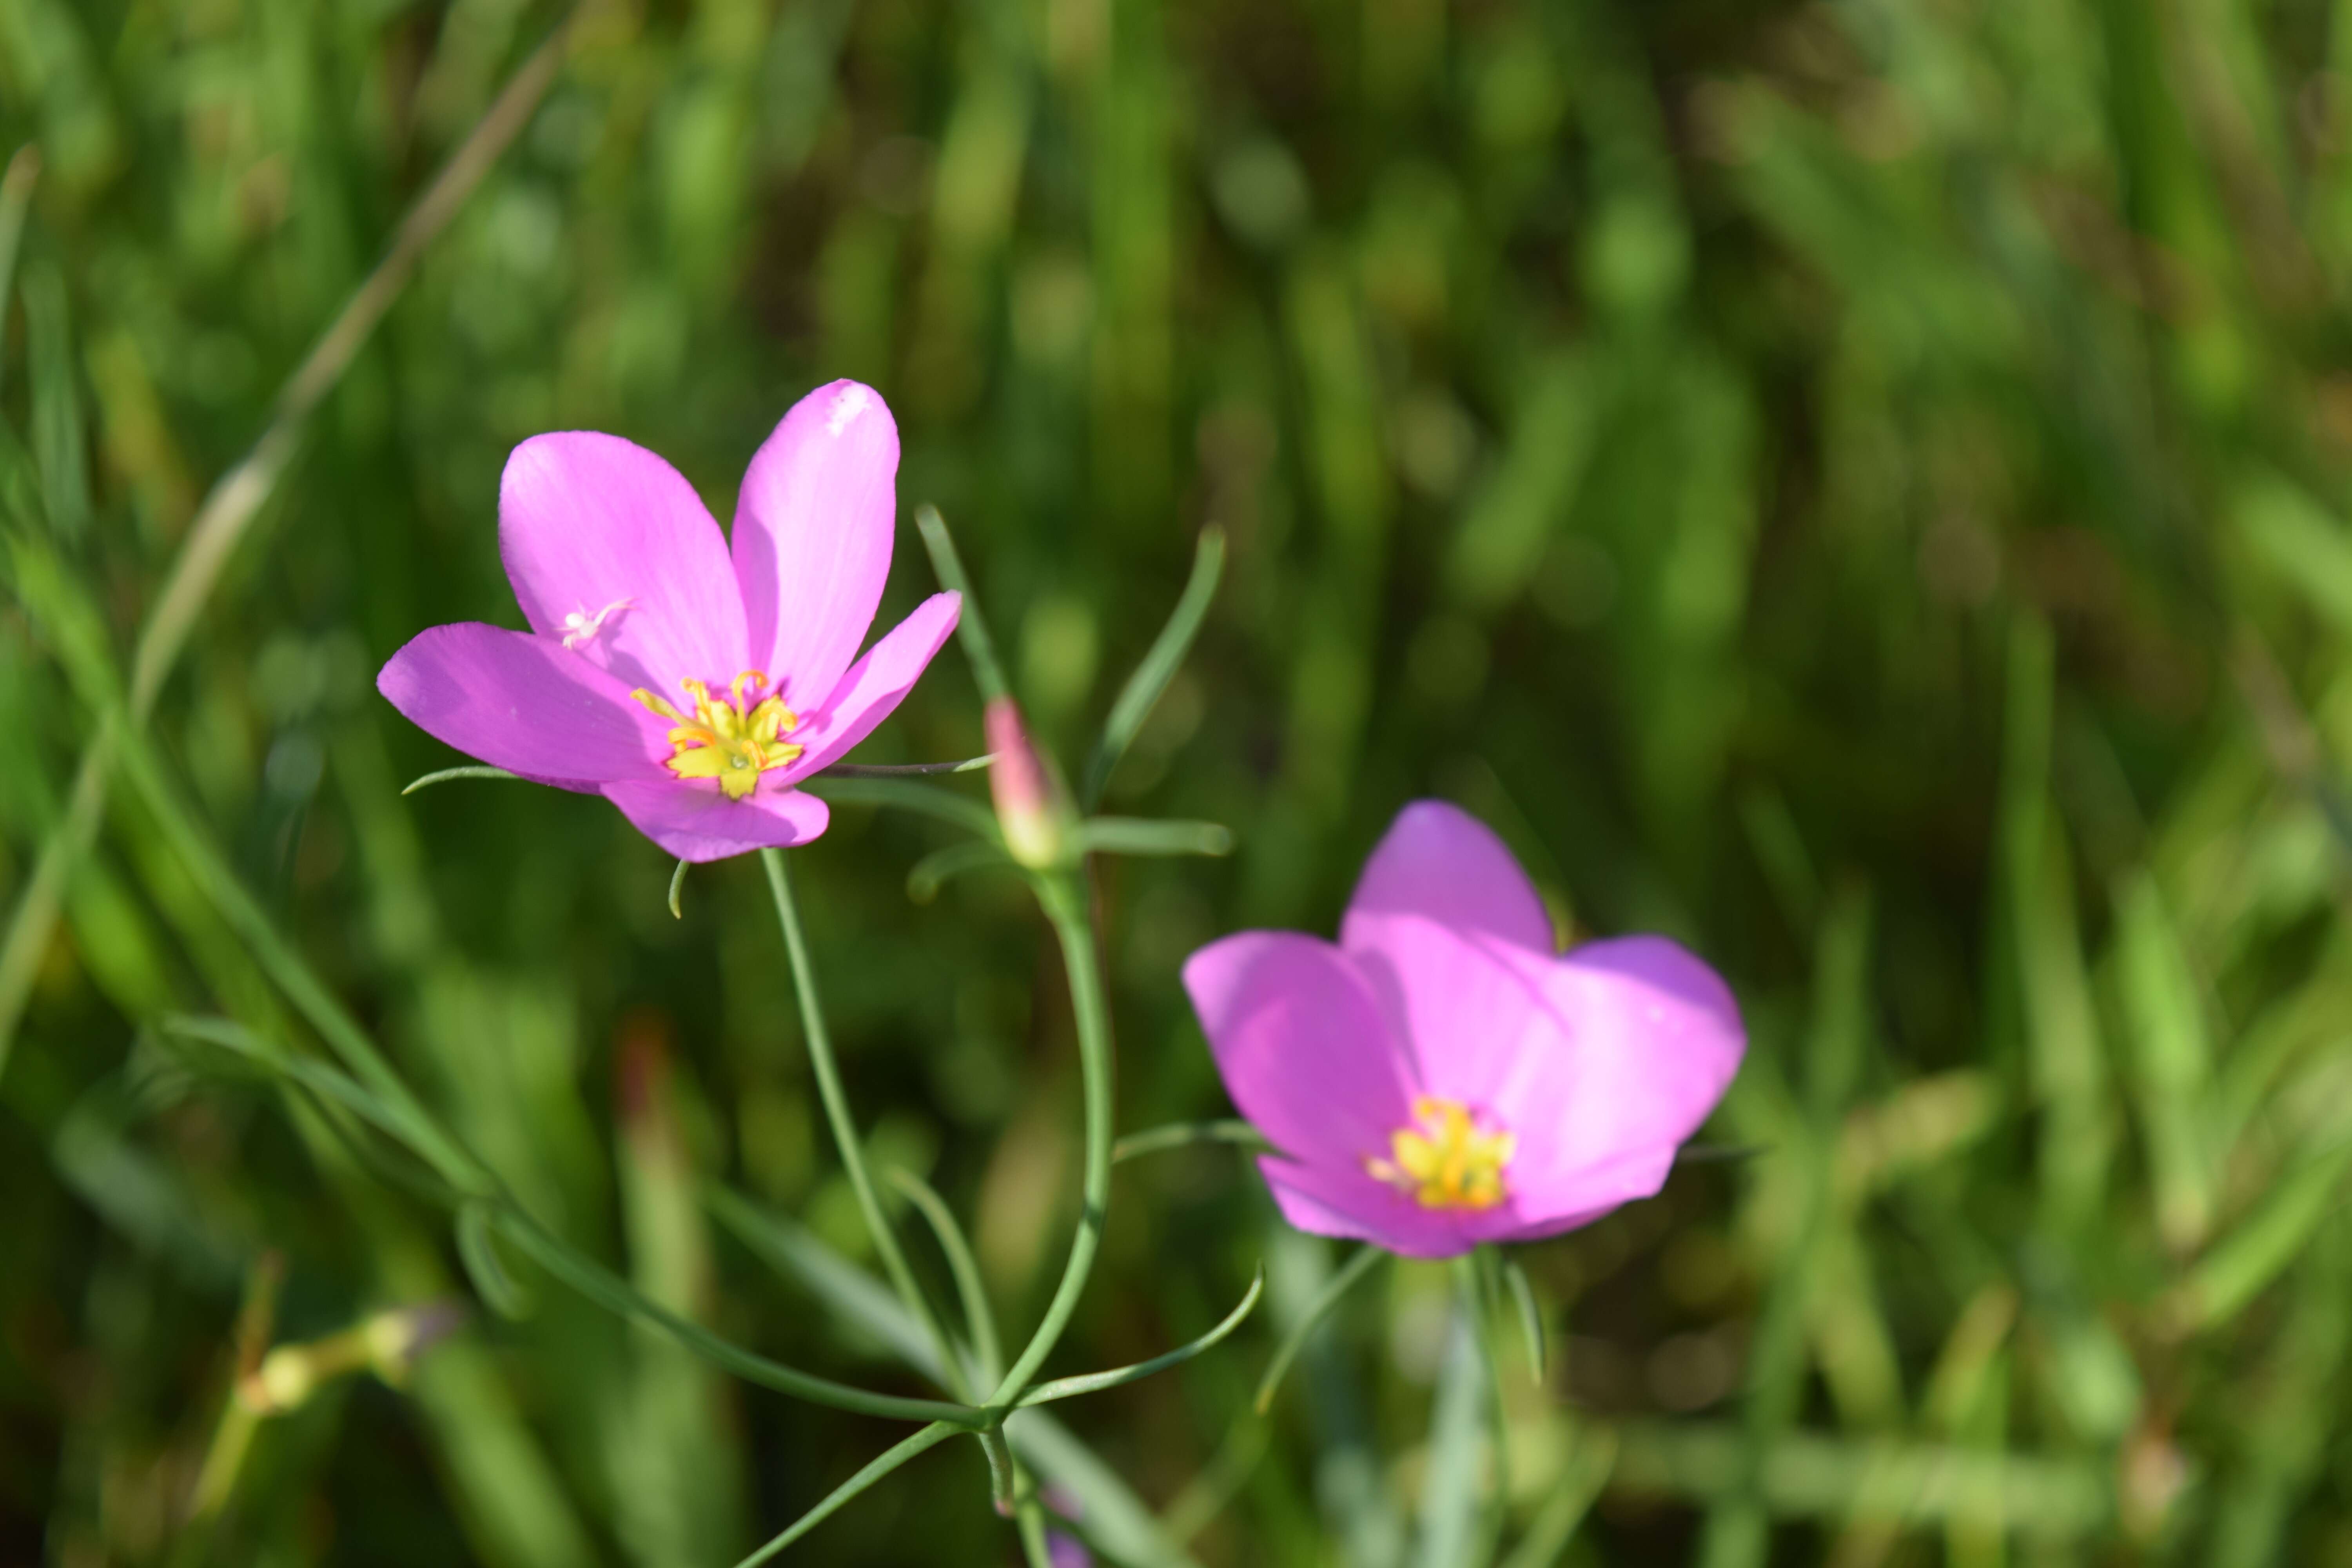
(880,681)
(1472,1006)
(695,821)
(523,703)
(1651,1039)
(1323,1201)
(1303,1050)
(592,526)
(813,527)
(1440,864)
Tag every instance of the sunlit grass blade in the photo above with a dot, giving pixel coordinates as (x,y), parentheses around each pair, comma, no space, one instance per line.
(478,1249)
(1335,1287)
(2242,1263)
(237,499)
(972,625)
(890,1458)
(1133,836)
(1095,1382)
(469,771)
(1184,1134)
(1573,1492)
(960,811)
(1159,667)
(677,887)
(979,1318)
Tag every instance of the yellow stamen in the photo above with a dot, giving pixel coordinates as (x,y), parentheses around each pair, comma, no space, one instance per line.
(725,740)
(1444,1160)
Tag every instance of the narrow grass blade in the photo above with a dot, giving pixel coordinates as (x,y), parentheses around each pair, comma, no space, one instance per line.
(676,886)
(890,1458)
(470,771)
(1450,1481)
(16,196)
(1133,836)
(972,625)
(1184,1134)
(1531,1316)
(1573,1492)
(1159,667)
(1338,1286)
(478,1249)
(1095,1382)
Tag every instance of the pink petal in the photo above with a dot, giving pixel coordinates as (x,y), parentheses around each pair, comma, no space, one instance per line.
(1469,1005)
(813,527)
(1323,1201)
(1302,1048)
(868,694)
(591,525)
(1439,863)
(1650,1040)
(696,821)
(523,703)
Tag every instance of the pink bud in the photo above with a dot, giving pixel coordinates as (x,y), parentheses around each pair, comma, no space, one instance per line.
(1029,804)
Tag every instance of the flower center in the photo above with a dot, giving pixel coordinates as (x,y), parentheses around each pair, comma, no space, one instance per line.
(725,740)
(1444,1160)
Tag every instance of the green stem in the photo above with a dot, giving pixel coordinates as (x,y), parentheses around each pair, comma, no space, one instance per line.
(1063,895)
(845,1130)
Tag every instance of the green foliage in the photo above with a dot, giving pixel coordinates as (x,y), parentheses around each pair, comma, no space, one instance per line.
(1860,487)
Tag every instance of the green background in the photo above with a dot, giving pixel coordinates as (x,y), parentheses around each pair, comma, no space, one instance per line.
(1854,486)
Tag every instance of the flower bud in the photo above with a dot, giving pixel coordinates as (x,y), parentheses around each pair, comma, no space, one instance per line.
(1031,807)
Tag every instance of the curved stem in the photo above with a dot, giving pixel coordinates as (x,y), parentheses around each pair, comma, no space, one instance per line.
(845,1130)
(1063,895)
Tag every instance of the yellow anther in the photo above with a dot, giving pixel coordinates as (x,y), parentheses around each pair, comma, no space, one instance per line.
(1444,1159)
(724,740)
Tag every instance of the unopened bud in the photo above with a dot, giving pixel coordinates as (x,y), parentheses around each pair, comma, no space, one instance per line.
(1031,807)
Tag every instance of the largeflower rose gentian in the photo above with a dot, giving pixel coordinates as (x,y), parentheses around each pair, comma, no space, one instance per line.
(1442,1077)
(691,684)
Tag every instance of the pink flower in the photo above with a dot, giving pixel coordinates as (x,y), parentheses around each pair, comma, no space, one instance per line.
(1441,1078)
(691,685)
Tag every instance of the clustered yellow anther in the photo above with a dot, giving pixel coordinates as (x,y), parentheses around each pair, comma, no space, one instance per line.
(1444,1160)
(725,740)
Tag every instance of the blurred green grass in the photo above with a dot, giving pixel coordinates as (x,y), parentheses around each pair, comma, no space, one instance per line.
(1859,487)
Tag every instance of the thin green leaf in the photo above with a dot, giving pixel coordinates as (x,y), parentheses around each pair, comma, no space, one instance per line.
(1184,1134)
(1095,1382)
(478,1249)
(930,1438)
(60,445)
(678,885)
(902,770)
(924,881)
(1136,836)
(1448,1527)
(1338,1286)
(1117,1524)
(980,1319)
(1159,667)
(468,771)
(972,625)
(907,795)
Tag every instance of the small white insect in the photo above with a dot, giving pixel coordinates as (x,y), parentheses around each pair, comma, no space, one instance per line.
(580,626)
